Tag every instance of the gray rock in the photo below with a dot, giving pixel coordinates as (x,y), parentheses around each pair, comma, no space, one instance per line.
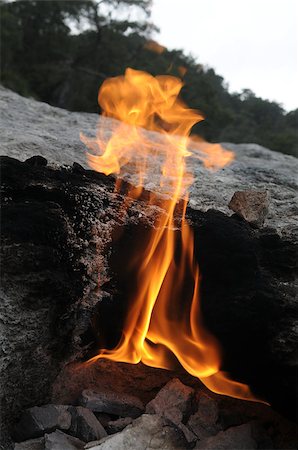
(30,444)
(84,424)
(114,426)
(251,205)
(56,136)
(204,422)
(239,438)
(111,402)
(173,394)
(147,432)
(36,421)
(61,441)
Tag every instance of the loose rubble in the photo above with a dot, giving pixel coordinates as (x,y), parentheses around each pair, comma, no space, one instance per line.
(179,417)
(148,431)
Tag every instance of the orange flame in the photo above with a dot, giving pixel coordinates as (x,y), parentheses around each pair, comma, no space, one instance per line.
(156,328)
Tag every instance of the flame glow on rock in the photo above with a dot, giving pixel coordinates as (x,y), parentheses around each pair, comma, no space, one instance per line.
(156,327)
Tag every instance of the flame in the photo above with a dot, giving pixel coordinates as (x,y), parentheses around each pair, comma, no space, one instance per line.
(156,327)
(213,156)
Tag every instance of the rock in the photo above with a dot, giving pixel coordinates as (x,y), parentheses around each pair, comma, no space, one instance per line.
(55,135)
(174,402)
(57,235)
(251,206)
(94,444)
(148,431)
(53,235)
(84,424)
(204,422)
(174,414)
(111,402)
(234,438)
(114,426)
(61,441)
(36,421)
(173,394)
(37,161)
(31,444)
(175,417)
(77,168)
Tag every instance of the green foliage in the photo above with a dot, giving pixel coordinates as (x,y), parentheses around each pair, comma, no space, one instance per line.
(42,57)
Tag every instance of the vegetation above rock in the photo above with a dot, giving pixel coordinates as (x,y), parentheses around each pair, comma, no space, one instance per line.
(60,52)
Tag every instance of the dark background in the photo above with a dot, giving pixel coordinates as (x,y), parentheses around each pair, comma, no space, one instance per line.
(60,52)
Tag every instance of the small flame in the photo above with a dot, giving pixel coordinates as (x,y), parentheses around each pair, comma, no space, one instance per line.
(156,327)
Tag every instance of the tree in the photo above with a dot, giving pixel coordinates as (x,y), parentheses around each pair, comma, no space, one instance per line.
(43,57)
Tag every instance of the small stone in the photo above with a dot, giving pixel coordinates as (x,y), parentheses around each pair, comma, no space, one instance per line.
(38,420)
(31,444)
(146,432)
(239,438)
(61,441)
(204,422)
(77,168)
(110,402)
(37,161)
(173,394)
(251,205)
(114,426)
(84,424)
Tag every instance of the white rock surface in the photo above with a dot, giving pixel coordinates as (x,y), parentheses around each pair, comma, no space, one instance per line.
(29,128)
(147,432)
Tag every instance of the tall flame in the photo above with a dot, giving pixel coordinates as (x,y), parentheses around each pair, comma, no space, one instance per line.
(156,327)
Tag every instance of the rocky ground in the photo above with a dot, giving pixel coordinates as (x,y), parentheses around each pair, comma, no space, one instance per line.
(58,280)
(178,417)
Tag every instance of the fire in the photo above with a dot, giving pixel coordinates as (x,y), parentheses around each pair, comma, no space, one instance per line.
(156,327)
